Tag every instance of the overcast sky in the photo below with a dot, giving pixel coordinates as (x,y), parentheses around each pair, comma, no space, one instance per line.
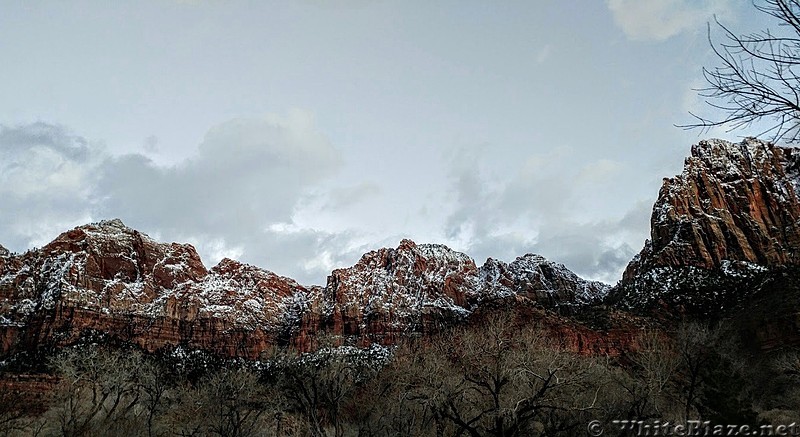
(296,135)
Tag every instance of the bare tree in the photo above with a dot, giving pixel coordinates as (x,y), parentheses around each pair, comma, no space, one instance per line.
(757,76)
(695,344)
(154,383)
(503,379)
(648,383)
(779,384)
(321,384)
(385,406)
(99,392)
(13,416)
(230,401)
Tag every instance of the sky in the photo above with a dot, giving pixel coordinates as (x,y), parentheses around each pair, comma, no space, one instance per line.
(298,135)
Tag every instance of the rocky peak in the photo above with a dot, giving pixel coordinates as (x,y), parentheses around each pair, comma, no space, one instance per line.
(4,251)
(408,280)
(248,277)
(110,250)
(411,281)
(546,282)
(732,202)
(106,277)
(733,211)
(410,257)
(406,244)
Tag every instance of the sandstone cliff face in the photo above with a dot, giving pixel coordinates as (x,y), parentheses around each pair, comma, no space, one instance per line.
(110,279)
(540,280)
(731,215)
(107,278)
(389,292)
(418,289)
(732,202)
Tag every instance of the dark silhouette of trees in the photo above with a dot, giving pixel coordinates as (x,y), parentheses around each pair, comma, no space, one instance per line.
(321,385)
(757,76)
(501,380)
(100,392)
(229,402)
(503,376)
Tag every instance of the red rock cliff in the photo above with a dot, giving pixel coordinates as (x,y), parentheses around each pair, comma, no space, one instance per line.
(734,202)
(107,278)
(731,215)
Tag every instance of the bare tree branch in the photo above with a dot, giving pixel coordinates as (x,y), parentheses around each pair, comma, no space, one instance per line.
(756,78)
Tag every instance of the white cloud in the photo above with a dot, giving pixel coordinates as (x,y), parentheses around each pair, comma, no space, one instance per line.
(662,19)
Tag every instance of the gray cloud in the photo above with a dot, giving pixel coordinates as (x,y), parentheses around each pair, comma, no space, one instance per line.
(20,139)
(247,173)
(539,209)
(45,180)
(598,249)
(246,177)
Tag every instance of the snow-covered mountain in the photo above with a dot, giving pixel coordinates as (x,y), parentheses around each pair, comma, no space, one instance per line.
(725,234)
(546,282)
(110,279)
(718,229)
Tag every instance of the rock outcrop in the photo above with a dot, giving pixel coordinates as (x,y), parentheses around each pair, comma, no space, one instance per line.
(732,215)
(390,292)
(732,202)
(548,283)
(107,279)
(420,288)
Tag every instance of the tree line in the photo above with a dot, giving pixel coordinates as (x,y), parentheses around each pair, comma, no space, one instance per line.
(503,378)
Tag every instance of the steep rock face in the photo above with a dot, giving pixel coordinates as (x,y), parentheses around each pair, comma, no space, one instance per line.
(543,281)
(407,289)
(732,202)
(3,251)
(108,279)
(731,215)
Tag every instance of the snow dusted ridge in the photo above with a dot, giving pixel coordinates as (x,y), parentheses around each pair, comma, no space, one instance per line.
(109,268)
(414,280)
(732,214)
(110,278)
(541,280)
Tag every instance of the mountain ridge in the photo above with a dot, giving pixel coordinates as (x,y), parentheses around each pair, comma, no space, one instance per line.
(723,232)
(110,278)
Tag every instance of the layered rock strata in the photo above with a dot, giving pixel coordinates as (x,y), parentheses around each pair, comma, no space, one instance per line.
(732,215)
(108,279)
